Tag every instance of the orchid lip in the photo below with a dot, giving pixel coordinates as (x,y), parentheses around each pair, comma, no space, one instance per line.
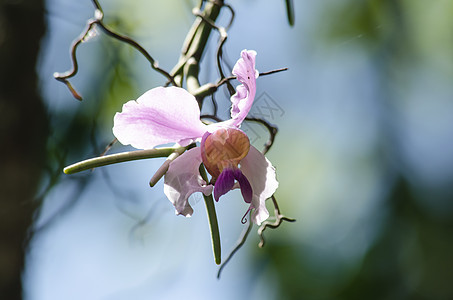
(225,183)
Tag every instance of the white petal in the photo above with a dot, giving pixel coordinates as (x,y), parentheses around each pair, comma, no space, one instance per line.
(183,179)
(261,175)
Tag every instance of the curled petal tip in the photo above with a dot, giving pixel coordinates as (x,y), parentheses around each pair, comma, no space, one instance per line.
(242,100)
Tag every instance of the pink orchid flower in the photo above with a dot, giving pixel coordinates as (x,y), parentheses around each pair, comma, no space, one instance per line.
(171,115)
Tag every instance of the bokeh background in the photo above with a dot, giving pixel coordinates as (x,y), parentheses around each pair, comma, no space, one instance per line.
(364,154)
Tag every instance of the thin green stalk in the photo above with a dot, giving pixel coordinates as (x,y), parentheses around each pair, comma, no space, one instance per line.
(198,36)
(118,158)
(213,224)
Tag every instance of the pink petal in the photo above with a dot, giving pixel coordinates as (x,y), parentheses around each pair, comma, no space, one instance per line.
(159,116)
(242,101)
(183,179)
(261,175)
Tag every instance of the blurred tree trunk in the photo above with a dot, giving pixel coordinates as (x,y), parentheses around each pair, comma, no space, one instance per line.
(23,134)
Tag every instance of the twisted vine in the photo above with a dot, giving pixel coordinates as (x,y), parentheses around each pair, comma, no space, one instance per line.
(98,20)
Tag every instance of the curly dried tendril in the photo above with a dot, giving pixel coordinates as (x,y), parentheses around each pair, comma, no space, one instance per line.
(244,218)
(87,34)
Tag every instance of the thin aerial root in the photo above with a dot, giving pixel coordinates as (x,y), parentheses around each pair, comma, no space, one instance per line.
(84,36)
(279,218)
(109,146)
(239,244)
(244,218)
(272,132)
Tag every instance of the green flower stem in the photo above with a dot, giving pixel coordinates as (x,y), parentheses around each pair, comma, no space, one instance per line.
(164,167)
(213,224)
(120,157)
(191,69)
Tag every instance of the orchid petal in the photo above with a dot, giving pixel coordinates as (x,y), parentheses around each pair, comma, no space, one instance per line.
(246,188)
(183,179)
(159,116)
(244,69)
(224,183)
(242,101)
(261,175)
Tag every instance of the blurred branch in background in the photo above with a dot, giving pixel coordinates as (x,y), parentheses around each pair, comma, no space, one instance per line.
(23,132)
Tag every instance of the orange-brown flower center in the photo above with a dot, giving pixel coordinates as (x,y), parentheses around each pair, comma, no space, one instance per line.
(224,148)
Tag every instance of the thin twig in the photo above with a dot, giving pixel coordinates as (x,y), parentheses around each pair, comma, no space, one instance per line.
(233,15)
(212,117)
(279,218)
(215,107)
(109,146)
(98,20)
(63,77)
(272,132)
(125,39)
(273,71)
(226,79)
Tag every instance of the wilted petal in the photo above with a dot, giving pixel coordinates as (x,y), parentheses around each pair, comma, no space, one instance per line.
(183,179)
(159,116)
(261,175)
(242,101)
